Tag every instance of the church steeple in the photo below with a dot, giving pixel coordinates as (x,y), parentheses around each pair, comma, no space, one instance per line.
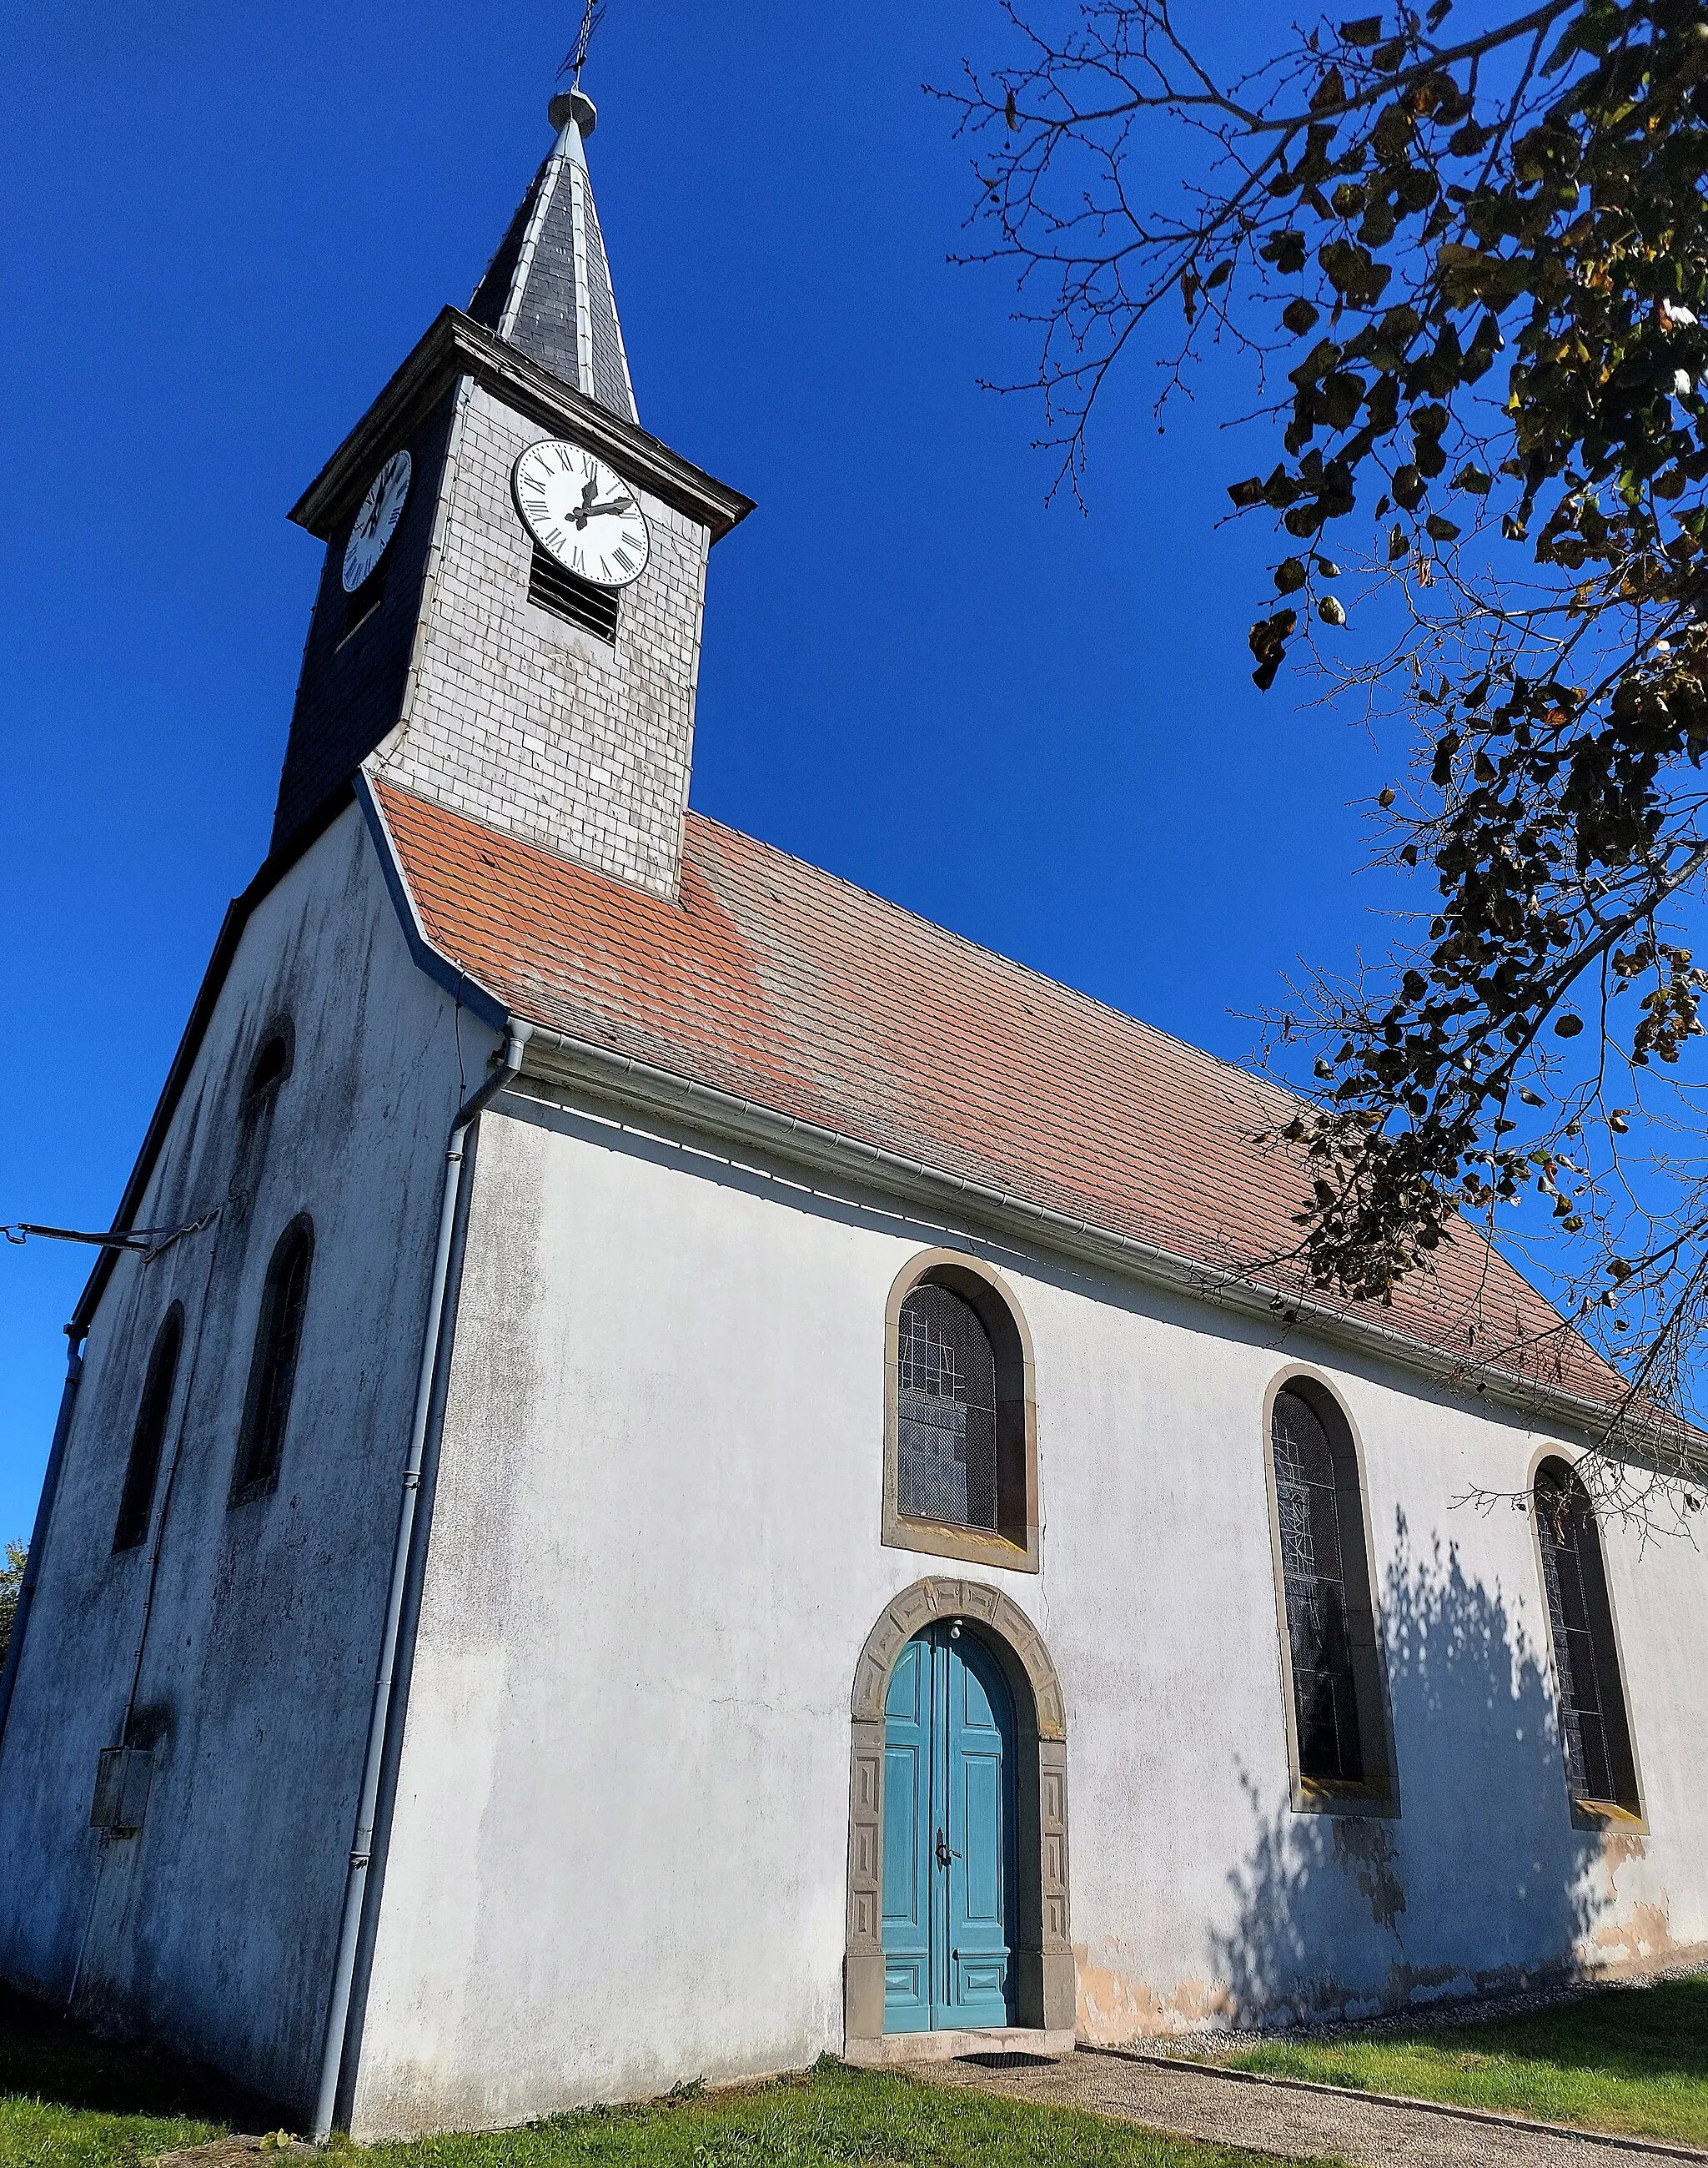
(548,290)
(532,668)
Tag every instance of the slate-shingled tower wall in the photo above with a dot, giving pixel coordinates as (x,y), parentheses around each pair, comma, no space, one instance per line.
(459,688)
(529,724)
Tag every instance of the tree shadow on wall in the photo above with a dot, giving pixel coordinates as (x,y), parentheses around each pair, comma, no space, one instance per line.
(1480,1885)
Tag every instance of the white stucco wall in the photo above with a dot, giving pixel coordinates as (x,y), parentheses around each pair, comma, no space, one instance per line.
(214,1927)
(619,1856)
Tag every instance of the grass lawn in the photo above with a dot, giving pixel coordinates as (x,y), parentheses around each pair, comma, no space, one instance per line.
(68,2101)
(1627,2059)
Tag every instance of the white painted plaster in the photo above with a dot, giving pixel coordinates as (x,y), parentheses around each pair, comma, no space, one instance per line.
(619,1856)
(214,1927)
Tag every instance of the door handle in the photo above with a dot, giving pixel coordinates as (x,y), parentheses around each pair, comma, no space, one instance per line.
(944,1854)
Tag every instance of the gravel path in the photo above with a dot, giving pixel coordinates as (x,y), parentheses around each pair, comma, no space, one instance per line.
(1315,2122)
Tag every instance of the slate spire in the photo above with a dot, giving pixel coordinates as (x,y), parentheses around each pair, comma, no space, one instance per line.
(548,290)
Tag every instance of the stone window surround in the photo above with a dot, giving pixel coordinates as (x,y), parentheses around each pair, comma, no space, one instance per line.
(1594,1816)
(1379,1795)
(980,1284)
(1045,1990)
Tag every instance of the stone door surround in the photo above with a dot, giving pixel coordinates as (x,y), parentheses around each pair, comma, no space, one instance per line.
(1045,1989)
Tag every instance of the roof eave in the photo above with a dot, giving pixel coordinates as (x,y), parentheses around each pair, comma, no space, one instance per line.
(272,870)
(554,1058)
(454,345)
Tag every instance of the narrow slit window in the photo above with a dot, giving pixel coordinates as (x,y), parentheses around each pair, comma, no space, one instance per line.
(272,1064)
(1595,1732)
(273,1369)
(137,1502)
(946,1407)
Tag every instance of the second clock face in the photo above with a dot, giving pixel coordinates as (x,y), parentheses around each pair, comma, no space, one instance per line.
(581,513)
(376,523)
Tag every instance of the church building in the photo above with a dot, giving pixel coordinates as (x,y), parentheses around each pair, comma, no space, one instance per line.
(670,1469)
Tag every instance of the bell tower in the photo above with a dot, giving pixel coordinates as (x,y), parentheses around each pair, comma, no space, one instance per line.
(526,654)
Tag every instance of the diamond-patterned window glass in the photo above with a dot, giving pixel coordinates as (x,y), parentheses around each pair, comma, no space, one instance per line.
(1571,1562)
(1308,1506)
(946,1413)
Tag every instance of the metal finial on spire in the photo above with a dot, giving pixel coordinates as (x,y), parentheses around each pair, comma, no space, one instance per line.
(592,14)
(547,291)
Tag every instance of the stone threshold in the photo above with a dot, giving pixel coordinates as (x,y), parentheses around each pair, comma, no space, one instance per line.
(899,2050)
(1617,2141)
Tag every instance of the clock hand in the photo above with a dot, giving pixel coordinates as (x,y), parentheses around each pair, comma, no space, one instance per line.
(588,511)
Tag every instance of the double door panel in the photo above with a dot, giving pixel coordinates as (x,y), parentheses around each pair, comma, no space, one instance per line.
(948,1838)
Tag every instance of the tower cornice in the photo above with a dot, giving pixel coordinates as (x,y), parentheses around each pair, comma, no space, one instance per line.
(454,346)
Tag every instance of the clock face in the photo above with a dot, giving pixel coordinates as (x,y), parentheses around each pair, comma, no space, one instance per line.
(581,513)
(376,523)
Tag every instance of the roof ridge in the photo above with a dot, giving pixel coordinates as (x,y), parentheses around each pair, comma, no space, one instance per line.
(1013,963)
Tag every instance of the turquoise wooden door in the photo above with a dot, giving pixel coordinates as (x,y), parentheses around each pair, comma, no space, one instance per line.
(948,1838)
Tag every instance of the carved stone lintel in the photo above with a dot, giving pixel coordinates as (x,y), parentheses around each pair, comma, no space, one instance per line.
(941,1597)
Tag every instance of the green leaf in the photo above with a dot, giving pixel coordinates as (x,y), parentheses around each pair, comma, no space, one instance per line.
(1567,1026)
(1440,530)
(1290,575)
(1366,31)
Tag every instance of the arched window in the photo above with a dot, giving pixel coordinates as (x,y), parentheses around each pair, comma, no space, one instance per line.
(961,1478)
(945,1413)
(272,1063)
(1338,1725)
(136,1504)
(273,1368)
(1594,1732)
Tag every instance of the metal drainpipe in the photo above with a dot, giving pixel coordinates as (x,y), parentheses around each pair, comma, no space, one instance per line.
(75,1337)
(362,1847)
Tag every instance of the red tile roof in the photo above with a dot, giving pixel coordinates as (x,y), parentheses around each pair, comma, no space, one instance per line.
(781,985)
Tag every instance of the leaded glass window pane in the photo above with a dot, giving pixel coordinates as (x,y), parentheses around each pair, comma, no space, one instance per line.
(1568,1531)
(945,1392)
(1307,1508)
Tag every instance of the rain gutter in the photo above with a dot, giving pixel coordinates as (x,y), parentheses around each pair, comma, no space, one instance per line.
(558,1057)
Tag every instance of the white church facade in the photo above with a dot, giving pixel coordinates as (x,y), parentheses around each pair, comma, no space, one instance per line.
(681,1469)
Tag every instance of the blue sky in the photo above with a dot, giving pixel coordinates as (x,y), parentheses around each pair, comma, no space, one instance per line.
(228,226)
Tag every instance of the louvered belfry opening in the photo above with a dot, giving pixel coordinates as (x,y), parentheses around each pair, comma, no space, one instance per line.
(946,1461)
(551,588)
(1594,1734)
